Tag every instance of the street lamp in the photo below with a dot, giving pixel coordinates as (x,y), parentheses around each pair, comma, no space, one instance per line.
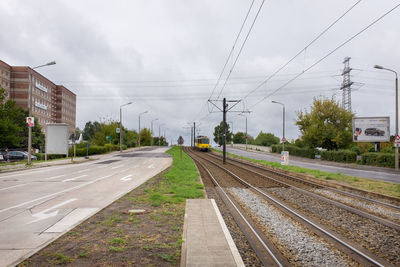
(241,114)
(139,125)
(283,131)
(159,133)
(396,156)
(152,130)
(30,110)
(120,125)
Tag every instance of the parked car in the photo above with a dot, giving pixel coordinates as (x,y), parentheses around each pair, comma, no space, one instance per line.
(19,155)
(374,131)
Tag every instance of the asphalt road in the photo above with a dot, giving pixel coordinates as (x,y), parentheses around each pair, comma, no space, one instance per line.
(39,205)
(364,172)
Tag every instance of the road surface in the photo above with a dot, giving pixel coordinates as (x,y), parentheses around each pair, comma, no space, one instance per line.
(366,171)
(39,205)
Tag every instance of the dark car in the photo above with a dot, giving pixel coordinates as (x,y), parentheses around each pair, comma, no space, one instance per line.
(374,131)
(19,155)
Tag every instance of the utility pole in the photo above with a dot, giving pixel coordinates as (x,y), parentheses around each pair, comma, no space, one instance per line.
(224,106)
(346,85)
(224,110)
(191,136)
(194,135)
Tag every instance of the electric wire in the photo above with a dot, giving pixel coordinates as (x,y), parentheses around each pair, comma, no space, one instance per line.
(304,49)
(327,55)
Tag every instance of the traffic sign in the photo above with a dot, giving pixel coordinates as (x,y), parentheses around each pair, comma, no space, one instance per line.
(118,130)
(397,139)
(284,140)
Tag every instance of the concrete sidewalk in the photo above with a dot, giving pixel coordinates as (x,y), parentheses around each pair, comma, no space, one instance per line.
(207,241)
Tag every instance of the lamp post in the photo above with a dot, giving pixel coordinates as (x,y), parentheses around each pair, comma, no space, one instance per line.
(241,114)
(152,130)
(159,133)
(396,155)
(283,130)
(30,110)
(139,126)
(120,125)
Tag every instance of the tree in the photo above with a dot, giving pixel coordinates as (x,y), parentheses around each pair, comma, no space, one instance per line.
(239,138)
(13,127)
(90,129)
(160,141)
(218,133)
(130,138)
(106,129)
(266,139)
(145,137)
(327,125)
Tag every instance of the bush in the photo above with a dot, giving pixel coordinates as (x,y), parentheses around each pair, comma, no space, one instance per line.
(295,151)
(347,156)
(41,156)
(378,159)
(356,149)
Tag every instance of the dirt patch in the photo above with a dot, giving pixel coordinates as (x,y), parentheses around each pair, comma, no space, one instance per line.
(117,237)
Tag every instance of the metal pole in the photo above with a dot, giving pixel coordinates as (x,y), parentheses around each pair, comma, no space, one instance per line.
(139,131)
(224,131)
(397,124)
(284,139)
(246,132)
(159,131)
(194,134)
(120,129)
(30,115)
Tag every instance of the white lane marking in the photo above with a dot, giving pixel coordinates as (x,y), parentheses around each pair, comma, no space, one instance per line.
(126,178)
(55,194)
(85,170)
(71,179)
(116,167)
(43,215)
(12,187)
(71,219)
(55,177)
(151,166)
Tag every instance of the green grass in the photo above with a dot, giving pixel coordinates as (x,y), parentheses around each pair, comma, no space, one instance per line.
(179,183)
(377,186)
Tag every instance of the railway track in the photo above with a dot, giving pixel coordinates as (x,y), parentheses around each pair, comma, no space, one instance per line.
(248,180)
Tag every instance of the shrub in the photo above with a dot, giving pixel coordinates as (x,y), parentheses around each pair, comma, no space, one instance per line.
(295,151)
(378,159)
(347,156)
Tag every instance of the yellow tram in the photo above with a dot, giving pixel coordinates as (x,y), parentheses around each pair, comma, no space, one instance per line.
(202,143)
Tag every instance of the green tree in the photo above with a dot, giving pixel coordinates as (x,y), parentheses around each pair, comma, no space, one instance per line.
(160,141)
(218,133)
(239,138)
(327,125)
(106,129)
(266,139)
(13,128)
(90,129)
(130,138)
(145,137)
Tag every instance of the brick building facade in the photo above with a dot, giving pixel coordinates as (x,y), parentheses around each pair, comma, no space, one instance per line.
(51,103)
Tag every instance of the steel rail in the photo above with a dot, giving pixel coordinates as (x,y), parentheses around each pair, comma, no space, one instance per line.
(287,176)
(283,206)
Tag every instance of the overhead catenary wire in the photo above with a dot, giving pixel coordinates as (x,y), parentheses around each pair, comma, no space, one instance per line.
(303,49)
(241,48)
(327,55)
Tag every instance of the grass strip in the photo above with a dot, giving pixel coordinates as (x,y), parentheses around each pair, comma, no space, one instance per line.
(371,185)
(116,237)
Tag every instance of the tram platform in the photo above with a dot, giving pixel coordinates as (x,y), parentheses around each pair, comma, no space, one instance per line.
(207,241)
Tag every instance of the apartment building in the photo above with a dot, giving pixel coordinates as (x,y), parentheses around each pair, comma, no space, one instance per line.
(51,103)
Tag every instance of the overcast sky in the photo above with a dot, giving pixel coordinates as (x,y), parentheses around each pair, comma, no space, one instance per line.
(166,57)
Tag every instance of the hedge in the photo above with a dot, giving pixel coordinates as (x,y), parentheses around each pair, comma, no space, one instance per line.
(295,151)
(347,156)
(378,159)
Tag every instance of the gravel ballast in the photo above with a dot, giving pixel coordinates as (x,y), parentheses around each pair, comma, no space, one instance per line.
(302,247)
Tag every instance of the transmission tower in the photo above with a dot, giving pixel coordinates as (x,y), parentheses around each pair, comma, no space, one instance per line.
(346,85)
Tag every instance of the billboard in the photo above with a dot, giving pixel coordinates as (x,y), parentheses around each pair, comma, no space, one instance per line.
(57,138)
(371,129)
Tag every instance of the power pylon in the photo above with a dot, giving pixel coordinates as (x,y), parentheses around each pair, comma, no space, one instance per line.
(346,85)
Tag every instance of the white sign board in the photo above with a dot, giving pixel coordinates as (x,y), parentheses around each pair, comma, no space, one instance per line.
(371,129)
(57,138)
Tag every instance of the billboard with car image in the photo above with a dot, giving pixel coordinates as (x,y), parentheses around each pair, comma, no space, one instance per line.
(371,129)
